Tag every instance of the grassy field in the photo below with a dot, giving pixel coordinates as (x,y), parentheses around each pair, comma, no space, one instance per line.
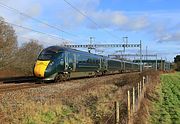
(81,101)
(166,109)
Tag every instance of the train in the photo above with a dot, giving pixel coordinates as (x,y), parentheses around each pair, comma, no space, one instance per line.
(56,63)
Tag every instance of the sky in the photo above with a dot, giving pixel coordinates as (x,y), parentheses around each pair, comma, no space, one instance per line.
(155,22)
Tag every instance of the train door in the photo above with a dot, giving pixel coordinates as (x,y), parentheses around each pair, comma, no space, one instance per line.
(121,65)
(104,64)
(66,62)
(100,64)
(60,62)
(74,62)
(71,62)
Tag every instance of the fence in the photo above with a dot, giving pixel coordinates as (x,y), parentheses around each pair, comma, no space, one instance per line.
(134,97)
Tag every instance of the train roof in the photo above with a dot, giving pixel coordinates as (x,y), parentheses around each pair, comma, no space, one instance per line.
(57,49)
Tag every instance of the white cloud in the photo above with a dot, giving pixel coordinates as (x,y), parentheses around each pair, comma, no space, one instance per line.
(35,9)
(108,19)
(70,17)
(104,19)
(31,8)
(154,21)
(139,23)
(169,37)
(119,18)
(43,39)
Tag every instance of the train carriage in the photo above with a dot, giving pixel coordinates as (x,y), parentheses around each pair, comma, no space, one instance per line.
(115,66)
(60,63)
(56,63)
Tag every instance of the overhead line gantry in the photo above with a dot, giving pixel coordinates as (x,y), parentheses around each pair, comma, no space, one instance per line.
(94,46)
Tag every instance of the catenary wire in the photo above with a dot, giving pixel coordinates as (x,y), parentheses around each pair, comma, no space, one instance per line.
(27,28)
(35,19)
(83,14)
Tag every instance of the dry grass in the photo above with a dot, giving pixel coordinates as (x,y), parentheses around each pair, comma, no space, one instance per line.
(142,116)
(83,101)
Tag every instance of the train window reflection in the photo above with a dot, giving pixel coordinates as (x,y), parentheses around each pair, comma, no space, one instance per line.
(48,55)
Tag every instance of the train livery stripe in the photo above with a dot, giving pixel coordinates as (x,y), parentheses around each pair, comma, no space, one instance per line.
(40,68)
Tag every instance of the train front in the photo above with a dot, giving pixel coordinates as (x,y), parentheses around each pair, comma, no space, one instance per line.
(49,62)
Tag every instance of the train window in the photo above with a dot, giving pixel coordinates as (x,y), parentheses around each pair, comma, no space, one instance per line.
(94,61)
(88,61)
(84,60)
(91,61)
(81,59)
(97,61)
(47,55)
(71,58)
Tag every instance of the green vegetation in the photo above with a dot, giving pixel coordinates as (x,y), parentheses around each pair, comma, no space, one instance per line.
(167,106)
(55,114)
(177,62)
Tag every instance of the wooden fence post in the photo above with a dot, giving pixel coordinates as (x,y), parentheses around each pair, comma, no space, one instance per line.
(133,100)
(117,112)
(143,81)
(129,107)
(140,88)
(147,79)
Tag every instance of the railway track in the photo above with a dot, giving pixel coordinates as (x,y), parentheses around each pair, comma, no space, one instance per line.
(8,87)
(18,79)
(19,83)
(13,87)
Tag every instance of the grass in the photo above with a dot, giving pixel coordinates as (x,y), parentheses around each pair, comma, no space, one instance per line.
(60,114)
(86,108)
(167,107)
(83,105)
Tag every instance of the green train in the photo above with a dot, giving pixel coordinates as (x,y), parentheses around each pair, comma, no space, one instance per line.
(60,63)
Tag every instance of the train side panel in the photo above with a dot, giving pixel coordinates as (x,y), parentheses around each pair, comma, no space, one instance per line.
(64,63)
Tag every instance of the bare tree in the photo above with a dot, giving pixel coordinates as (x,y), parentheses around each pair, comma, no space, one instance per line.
(8,44)
(26,56)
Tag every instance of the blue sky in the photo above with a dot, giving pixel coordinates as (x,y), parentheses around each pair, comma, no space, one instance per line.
(140,5)
(155,22)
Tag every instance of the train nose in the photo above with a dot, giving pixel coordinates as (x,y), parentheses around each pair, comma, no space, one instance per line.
(40,68)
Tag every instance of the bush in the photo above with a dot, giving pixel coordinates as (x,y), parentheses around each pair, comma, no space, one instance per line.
(26,57)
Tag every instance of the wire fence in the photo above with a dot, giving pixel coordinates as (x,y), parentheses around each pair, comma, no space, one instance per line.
(123,113)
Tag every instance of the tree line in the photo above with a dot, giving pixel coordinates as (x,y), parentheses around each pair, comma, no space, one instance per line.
(177,63)
(20,58)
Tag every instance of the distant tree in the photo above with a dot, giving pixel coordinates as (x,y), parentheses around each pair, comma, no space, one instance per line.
(27,55)
(177,62)
(8,44)
(177,59)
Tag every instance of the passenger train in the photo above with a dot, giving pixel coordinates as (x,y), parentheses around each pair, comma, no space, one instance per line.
(60,63)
